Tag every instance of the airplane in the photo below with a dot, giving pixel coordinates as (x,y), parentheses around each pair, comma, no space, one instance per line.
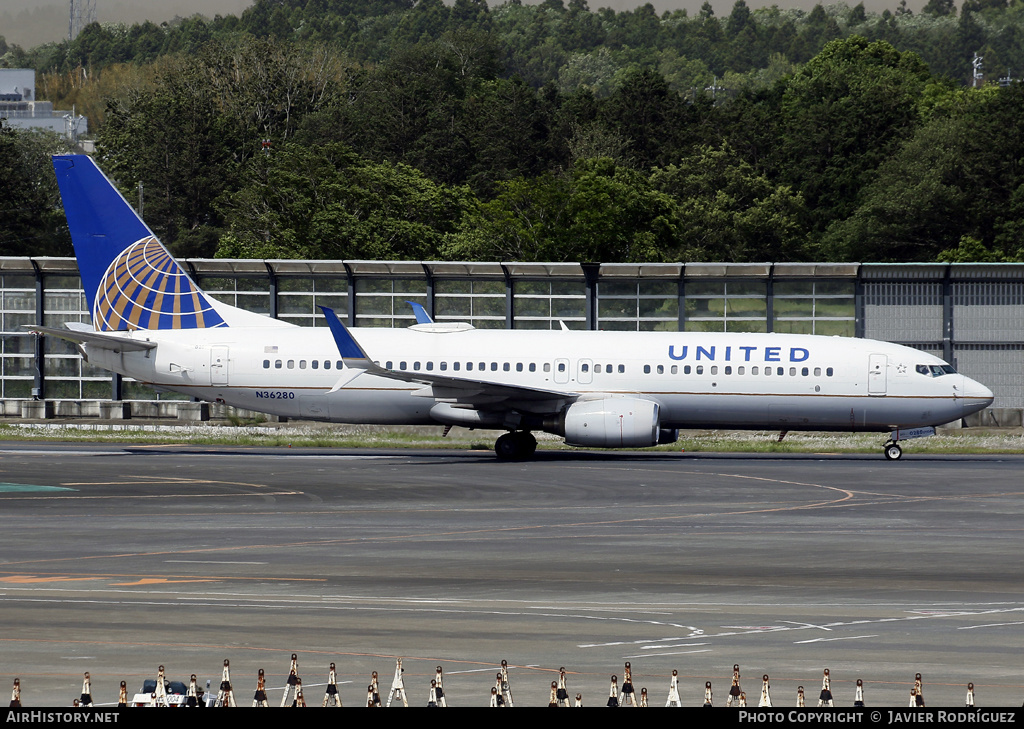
(595,389)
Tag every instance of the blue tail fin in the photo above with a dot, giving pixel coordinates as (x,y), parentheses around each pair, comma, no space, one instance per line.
(130,279)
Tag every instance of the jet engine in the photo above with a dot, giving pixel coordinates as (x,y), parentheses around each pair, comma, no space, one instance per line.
(612,422)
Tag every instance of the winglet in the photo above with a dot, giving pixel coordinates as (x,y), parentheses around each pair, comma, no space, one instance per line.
(422,317)
(351,353)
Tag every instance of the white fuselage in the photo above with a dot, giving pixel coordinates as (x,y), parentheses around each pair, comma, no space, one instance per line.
(777,381)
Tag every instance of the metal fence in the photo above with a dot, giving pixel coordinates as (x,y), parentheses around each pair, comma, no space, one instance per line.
(971,315)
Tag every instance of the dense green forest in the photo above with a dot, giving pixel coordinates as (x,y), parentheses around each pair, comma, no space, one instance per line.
(416,130)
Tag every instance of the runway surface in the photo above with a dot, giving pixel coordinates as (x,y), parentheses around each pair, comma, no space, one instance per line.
(116,559)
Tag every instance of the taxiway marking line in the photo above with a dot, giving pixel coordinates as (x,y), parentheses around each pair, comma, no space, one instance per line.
(827,640)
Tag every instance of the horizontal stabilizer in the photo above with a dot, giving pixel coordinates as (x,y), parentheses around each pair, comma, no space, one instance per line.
(94,339)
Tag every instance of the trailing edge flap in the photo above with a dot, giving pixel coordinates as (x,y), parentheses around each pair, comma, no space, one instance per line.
(450,389)
(92,338)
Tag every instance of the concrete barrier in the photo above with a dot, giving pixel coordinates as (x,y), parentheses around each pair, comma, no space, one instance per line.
(996,418)
(194,411)
(36,409)
(115,410)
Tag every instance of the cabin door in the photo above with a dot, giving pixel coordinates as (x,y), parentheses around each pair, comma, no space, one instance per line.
(218,365)
(877,366)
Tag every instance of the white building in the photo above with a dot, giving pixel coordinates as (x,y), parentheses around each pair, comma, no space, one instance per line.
(19,107)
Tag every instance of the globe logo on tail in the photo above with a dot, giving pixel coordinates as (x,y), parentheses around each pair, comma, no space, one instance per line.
(145,288)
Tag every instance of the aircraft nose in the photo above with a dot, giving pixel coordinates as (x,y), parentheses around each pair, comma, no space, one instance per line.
(976,395)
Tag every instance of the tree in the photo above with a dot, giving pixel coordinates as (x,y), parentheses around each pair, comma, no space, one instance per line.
(843,114)
(729,212)
(31,217)
(299,202)
(644,111)
(173,140)
(959,176)
(598,211)
(939,8)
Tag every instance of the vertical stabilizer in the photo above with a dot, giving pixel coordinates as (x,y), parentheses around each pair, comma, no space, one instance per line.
(130,279)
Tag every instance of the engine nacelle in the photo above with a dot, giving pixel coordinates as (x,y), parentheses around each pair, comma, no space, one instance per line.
(613,422)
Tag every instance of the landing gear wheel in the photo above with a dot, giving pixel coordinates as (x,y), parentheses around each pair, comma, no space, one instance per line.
(528,443)
(515,446)
(892,452)
(507,447)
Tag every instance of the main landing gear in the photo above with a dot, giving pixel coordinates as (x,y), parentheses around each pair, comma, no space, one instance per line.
(515,445)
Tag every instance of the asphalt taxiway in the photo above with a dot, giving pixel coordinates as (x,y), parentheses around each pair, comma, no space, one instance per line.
(116,559)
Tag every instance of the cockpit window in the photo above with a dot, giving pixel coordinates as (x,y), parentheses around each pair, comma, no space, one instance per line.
(935,370)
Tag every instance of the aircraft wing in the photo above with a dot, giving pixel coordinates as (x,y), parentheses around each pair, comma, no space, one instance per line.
(444,388)
(92,338)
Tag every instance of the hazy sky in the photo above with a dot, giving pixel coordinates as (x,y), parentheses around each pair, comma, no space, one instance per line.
(47,20)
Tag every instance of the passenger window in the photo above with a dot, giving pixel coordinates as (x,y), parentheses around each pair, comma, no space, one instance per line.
(675,369)
(767,371)
(728,370)
(519,366)
(327,364)
(817,371)
(482,366)
(277,365)
(584,367)
(547,366)
(455,366)
(469,367)
(561,366)
(266,364)
(339,364)
(700,369)
(714,369)
(792,371)
(753,370)
(740,370)
(647,369)
(506,367)
(430,366)
(622,369)
(494,366)
(597,369)
(533,367)
(416,366)
(291,364)
(402,365)
(804,372)
(828,372)
(302,364)
(444,366)
(686,369)
(781,371)
(315,364)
